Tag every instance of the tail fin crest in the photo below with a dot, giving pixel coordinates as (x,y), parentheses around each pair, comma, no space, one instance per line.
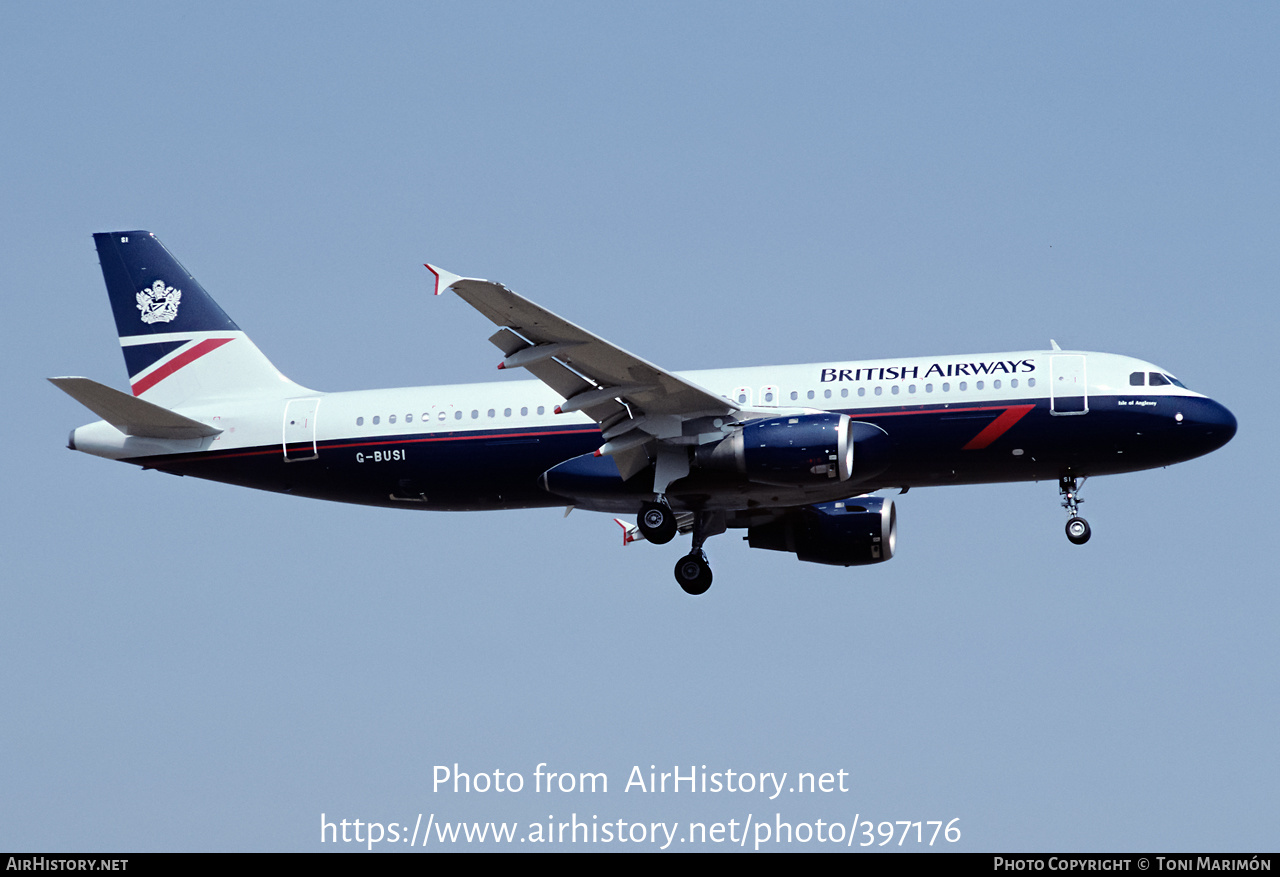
(179,346)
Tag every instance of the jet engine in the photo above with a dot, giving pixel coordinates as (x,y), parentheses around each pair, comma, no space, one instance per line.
(852,532)
(806,449)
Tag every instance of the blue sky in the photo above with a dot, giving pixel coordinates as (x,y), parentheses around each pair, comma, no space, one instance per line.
(192,666)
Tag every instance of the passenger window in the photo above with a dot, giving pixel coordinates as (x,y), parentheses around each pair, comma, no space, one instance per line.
(811,394)
(862,391)
(946,386)
(768,397)
(359,421)
(895,389)
(911,389)
(457,415)
(1158,380)
(844,392)
(1031,382)
(492,413)
(1137,379)
(979,385)
(506,412)
(742,398)
(879,390)
(375,419)
(475,415)
(542,409)
(408,418)
(391,419)
(826,394)
(995,385)
(794,395)
(964,385)
(524,412)
(442,416)
(1014,383)
(928,388)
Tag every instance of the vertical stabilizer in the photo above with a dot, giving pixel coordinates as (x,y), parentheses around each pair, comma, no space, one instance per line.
(180,348)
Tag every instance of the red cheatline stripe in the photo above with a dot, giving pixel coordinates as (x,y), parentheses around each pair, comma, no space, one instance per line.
(188,356)
(943,409)
(998,427)
(455,437)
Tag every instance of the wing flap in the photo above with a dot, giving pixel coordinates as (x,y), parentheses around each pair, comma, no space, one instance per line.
(569,383)
(631,462)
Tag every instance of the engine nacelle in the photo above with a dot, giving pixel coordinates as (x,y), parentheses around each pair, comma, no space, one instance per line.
(852,532)
(805,449)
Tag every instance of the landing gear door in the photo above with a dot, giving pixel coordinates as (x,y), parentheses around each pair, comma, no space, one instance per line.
(1068,390)
(300,430)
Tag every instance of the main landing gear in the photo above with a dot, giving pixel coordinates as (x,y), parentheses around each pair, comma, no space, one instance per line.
(659,525)
(1078,531)
(657,522)
(694,573)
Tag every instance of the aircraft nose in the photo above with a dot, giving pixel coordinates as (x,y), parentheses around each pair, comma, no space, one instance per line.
(1211,422)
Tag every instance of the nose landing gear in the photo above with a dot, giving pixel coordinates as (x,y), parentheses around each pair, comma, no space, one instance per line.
(1078,531)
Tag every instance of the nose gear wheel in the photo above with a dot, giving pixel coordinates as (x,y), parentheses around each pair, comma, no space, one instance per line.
(1078,531)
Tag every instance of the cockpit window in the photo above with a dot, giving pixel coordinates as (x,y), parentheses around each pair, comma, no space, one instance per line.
(1176,382)
(1159,380)
(1138,379)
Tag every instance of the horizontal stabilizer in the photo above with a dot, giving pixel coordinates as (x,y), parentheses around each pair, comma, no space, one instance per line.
(131,415)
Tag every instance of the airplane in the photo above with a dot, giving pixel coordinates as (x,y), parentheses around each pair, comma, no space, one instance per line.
(790,454)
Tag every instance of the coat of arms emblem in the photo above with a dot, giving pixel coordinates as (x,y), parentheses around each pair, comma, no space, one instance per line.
(159,304)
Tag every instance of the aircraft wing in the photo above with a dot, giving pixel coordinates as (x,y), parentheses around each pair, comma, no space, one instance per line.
(632,399)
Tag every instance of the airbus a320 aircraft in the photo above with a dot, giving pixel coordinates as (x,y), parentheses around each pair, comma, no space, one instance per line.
(791,454)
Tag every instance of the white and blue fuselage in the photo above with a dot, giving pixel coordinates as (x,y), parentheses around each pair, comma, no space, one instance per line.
(1020,416)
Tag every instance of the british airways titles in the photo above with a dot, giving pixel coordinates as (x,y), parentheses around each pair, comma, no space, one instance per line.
(937,369)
